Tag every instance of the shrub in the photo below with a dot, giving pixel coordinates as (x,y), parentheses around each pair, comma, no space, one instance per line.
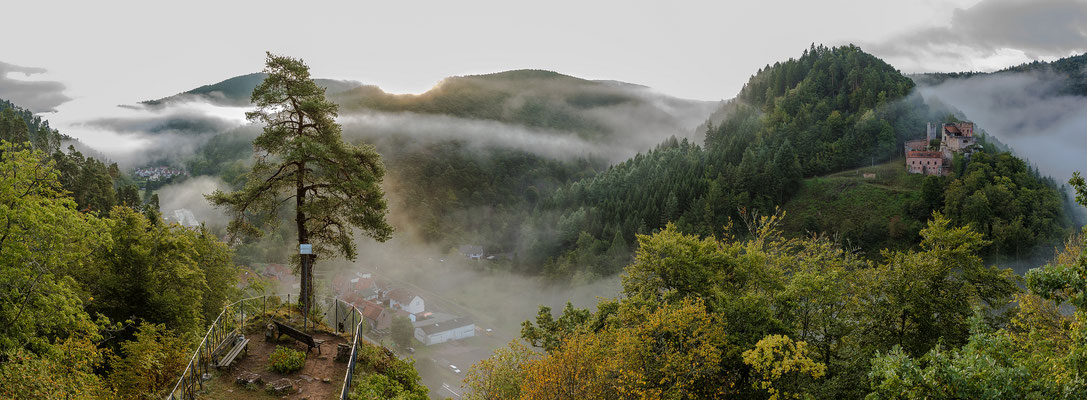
(286,360)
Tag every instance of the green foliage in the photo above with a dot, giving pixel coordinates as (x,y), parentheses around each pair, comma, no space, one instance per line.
(60,266)
(782,365)
(643,350)
(225,155)
(67,372)
(824,103)
(460,193)
(764,291)
(1066,279)
(917,299)
(830,110)
(161,273)
(90,182)
(402,331)
(636,196)
(548,333)
(885,212)
(301,156)
(18,125)
(286,360)
(381,375)
(1071,68)
(44,243)
(500,376)
(149,363)
(534,98)
(986,367)
(1002,198)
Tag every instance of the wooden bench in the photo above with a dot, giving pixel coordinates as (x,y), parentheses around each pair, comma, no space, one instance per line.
(298,335)
(242,344)
(225,344)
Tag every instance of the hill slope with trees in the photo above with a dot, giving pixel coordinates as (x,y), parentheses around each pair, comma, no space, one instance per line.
(832,109)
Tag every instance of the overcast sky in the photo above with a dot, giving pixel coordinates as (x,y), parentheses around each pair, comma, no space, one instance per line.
(118,52)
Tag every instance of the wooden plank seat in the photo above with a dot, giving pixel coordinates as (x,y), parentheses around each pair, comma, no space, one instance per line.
(241,343)
(225,344)
(298,335)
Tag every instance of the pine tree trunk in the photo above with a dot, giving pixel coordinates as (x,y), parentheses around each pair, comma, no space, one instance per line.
(305,289)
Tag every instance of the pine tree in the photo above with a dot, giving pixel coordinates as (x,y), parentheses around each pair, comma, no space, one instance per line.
(301,156)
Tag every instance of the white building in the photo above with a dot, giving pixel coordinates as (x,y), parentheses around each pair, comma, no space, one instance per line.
(400,299)
(441,332)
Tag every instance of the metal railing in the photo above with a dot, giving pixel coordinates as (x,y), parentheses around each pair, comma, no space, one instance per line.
(341,316)
(353,359)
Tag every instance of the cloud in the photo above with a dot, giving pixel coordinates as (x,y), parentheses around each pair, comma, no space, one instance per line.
(36,96)
(1023,111)
(135,135)
(990,35)
(426,128)
(190,195)
(633,127)
(182,122)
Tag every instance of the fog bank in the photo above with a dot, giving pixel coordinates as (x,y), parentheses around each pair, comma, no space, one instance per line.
(1022,110)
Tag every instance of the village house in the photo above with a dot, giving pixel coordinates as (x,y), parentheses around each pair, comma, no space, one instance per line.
(377,317)
(444,331)
(365,288)
(401,299)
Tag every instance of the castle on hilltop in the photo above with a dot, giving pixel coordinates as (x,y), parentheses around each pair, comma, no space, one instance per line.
(925,156)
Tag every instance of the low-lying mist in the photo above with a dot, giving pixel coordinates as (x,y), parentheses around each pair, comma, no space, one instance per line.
(136,136)
(1024,111)
(189,194)
(494,296)
(422,128)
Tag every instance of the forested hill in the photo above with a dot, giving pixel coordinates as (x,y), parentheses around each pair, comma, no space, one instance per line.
(1073,69)
(237,90)
(820,105)
(18,125)
(469,159)
(830,110)
(535,98)
(95,185)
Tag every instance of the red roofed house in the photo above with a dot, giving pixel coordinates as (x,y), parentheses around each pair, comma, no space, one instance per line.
(401,299)
(379,318)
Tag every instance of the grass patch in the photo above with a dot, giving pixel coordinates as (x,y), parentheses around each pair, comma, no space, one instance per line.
(867,213)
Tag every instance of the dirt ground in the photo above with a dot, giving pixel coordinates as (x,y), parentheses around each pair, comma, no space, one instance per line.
(309,382)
